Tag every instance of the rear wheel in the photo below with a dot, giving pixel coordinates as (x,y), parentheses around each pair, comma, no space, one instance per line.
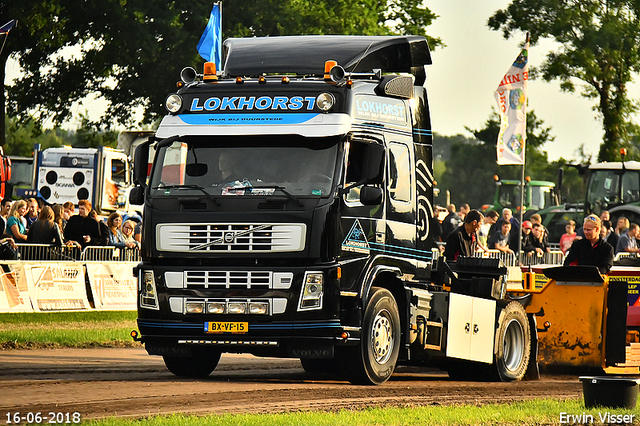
(512,348)
(375,358)
(199,364)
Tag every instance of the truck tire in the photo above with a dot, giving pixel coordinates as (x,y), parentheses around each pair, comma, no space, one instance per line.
(199,364)
(512,343)
(375,358)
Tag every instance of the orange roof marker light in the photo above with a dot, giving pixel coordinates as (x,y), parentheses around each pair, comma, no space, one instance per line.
(327,69)
(210,71)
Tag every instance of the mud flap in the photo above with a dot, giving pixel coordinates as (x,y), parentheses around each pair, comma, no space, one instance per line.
(533,372)
(616,323)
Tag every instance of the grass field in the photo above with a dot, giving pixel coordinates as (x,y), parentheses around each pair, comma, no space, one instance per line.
(537,412)
(67,329)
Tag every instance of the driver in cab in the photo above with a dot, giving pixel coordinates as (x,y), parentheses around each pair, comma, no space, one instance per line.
(592,249)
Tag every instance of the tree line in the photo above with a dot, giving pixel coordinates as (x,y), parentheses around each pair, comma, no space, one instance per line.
(130,52)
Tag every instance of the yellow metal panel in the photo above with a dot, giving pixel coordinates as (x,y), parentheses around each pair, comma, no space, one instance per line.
(576,313)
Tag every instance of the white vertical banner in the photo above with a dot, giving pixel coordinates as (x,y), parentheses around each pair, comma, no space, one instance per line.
(511,96)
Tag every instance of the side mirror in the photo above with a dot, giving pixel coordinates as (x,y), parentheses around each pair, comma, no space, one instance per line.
(136,195)
(370,195)
(141,165)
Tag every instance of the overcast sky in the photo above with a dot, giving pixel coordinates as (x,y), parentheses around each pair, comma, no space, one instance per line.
(464,75)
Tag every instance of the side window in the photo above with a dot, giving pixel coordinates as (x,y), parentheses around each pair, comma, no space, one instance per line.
(399,172)
(355,168)
(630,187)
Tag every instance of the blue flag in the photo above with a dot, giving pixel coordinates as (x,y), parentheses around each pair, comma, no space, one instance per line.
(210,44)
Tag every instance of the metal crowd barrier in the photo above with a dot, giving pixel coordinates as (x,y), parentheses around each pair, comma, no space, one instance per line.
(110,253)
(554,257)
(46,252)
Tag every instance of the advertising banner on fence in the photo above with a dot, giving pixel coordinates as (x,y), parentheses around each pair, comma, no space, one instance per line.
(113,285)
(56,286)
(14,296)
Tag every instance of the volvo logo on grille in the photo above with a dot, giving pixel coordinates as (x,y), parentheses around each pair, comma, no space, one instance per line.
(229,237)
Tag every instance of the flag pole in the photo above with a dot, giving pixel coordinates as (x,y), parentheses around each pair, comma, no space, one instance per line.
(511,96)
(522,177)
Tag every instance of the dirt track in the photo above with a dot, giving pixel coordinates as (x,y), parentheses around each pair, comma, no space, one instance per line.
(127,382)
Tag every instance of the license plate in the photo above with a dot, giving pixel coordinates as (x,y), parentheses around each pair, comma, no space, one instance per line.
(226,327)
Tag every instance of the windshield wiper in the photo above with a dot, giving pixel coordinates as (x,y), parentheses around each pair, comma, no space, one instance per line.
(196,187)
(281,189)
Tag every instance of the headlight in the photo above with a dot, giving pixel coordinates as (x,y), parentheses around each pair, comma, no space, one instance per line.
(236,307)
(312,291)
(148,294)
(216,307)
(325,101)
(173,103)
(258,308)
(194,307)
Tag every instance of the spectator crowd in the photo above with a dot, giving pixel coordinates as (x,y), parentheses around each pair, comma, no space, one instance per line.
(503,232)
(29,221)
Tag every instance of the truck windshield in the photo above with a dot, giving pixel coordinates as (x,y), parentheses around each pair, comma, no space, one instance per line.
(540,197)
(609,188)
(243,166)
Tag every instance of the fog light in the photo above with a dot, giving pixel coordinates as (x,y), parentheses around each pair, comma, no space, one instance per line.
(195,307)
(216,307)
(259,308)
(237,308)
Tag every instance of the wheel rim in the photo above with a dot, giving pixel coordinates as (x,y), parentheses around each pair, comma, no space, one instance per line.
(382,340)
(513,345)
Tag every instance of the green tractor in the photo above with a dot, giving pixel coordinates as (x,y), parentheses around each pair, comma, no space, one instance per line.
(538,194)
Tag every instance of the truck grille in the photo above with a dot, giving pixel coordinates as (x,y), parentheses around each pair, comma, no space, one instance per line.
(236,237)
(238,279)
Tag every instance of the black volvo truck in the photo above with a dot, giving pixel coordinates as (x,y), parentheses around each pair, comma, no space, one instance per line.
(288,212)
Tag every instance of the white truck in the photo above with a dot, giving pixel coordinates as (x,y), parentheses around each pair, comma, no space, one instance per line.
(101,175)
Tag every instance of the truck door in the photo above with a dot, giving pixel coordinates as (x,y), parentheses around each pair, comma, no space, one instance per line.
(362,225)
(400,210)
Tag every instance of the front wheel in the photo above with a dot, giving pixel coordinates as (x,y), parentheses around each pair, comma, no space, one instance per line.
(200,364)
(376,356)
(512,348)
